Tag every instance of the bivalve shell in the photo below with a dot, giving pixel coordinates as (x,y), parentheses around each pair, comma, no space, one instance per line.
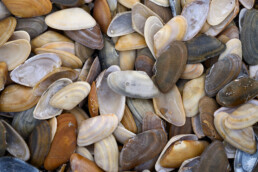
(15,164)
(131,41)
(122,135)
(4,12)
(7,26)
(128,3)
(192,71)
(128,121)
(233,46)
(3,75)
(247,3)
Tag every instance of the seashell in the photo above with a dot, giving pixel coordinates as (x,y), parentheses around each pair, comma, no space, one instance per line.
(102,14)
(36,67)
(84,152)
(15,52)
(231,32)
(247,3)
(16,146)
(147,166)
(122,135)
(243,117)
(192,93)
(48,37)
(128,120)
(108,56)
(82,52)
(207,107)
(248,36)
(144,61)
(93,104)
(134,84)
(8,163)
(62,46)
(120,25)
(140,13)
(20,35)
(152,121)
(16,98)
(170,107)
(70,19)
(3,143)
(130,42)
(175,7)
(163,3)
(189,164)
(106,154)
(56,74)
(185,129)
(226,69)
(39,143)
(89,133)
(66,2)
(24,8)
(24,123)
(237,92)
(151,27)
(170,65)
(213,156)
(79,114)
(4,12)
(3,75)
(105,94)
(79,163)
(192,71)
(212,47)
(43,109)
(128,3)
(176,28)
(91,37)
(180,84)
(233,46)
(154,141)
(139,108)
(241,18)
(53,127)
(230,150)
(163,12)
(94,71)
(242,139)
(216,14)
(7,28)
(188,137)
(64,143)
(197,127)
(127,59)
(33,26)
(196,14)
(253,71)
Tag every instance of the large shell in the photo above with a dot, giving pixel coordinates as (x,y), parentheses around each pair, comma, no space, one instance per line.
(221,73)
(4,12)
(43,109)
(170,65)
(133,84)
(106,154)
(89,133)
(3,75)
(16,98)
(203,47)
(3,143)
(105,94)
(8,163)
(70,19)
(15,52)
(135,153)
(122,135)
(16,146)
(128,121)
(130,41)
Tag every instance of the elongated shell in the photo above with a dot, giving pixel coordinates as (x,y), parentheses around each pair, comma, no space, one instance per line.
(63,46)
(84,152)
(3,75)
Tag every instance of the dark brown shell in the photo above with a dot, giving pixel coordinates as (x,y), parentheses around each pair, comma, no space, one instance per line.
(152,121)
(185,129)
(144,61)
(2,139)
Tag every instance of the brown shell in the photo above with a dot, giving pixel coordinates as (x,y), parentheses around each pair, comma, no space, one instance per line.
(128,120)
(144,61)
(93,104)
(185,129)
(152,121)
(7,27)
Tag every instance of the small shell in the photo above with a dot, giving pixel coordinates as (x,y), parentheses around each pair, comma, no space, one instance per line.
(128,120)
(93,104)
(247,3)
(84,152)
(130,42)
(192,71)
(197,127)
(163,3)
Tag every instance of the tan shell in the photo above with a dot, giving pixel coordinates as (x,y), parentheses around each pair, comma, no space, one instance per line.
(84,152)
(122,135)
(169,106)
(192,71)
(70,19)
(7,27)
(53,127)
(130,42)
(233,46)
(127,59)
(128,3)
(128,120)
(62,46)
(20,34)
(70,96)
(14,53)
(79,114)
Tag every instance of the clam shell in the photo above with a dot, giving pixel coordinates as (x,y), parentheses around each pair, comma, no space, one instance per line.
(247,3)
(135,153)
(91,37)
(192,71)
(64,143)
(3,75)
(196,14)
(89,133)
(175,28)
(189,164)
(163,3)
(222,73)
(130,42)
(93,104)
(7,28)
(84,152)
(230,150)
(79,114)
(175,7)
(152,121)
(24,123)
(48,37)
(151,27)
(16,146)
(70,19)
(94,71)
(147,166)
(128,120)
(34,26)
(144,61)
(127,59)
(197,127)
(122,135)
(4,12)
(53,127)
(253,71)
(128,3)
(140,13)
(233,46)
(105,94)
(237,92)
(170,107)
(134,84)
(83,52)
(62,46)
(203,47)
(20,35)
(44,110)
(242,139)
(185,129)
(192,93)
(36,67)
(15,52)
(70,96)
(3,143)
(106,154)
(56,74)
(16,98)
(39,143)
(28,8)
(170,65)
(15,164)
